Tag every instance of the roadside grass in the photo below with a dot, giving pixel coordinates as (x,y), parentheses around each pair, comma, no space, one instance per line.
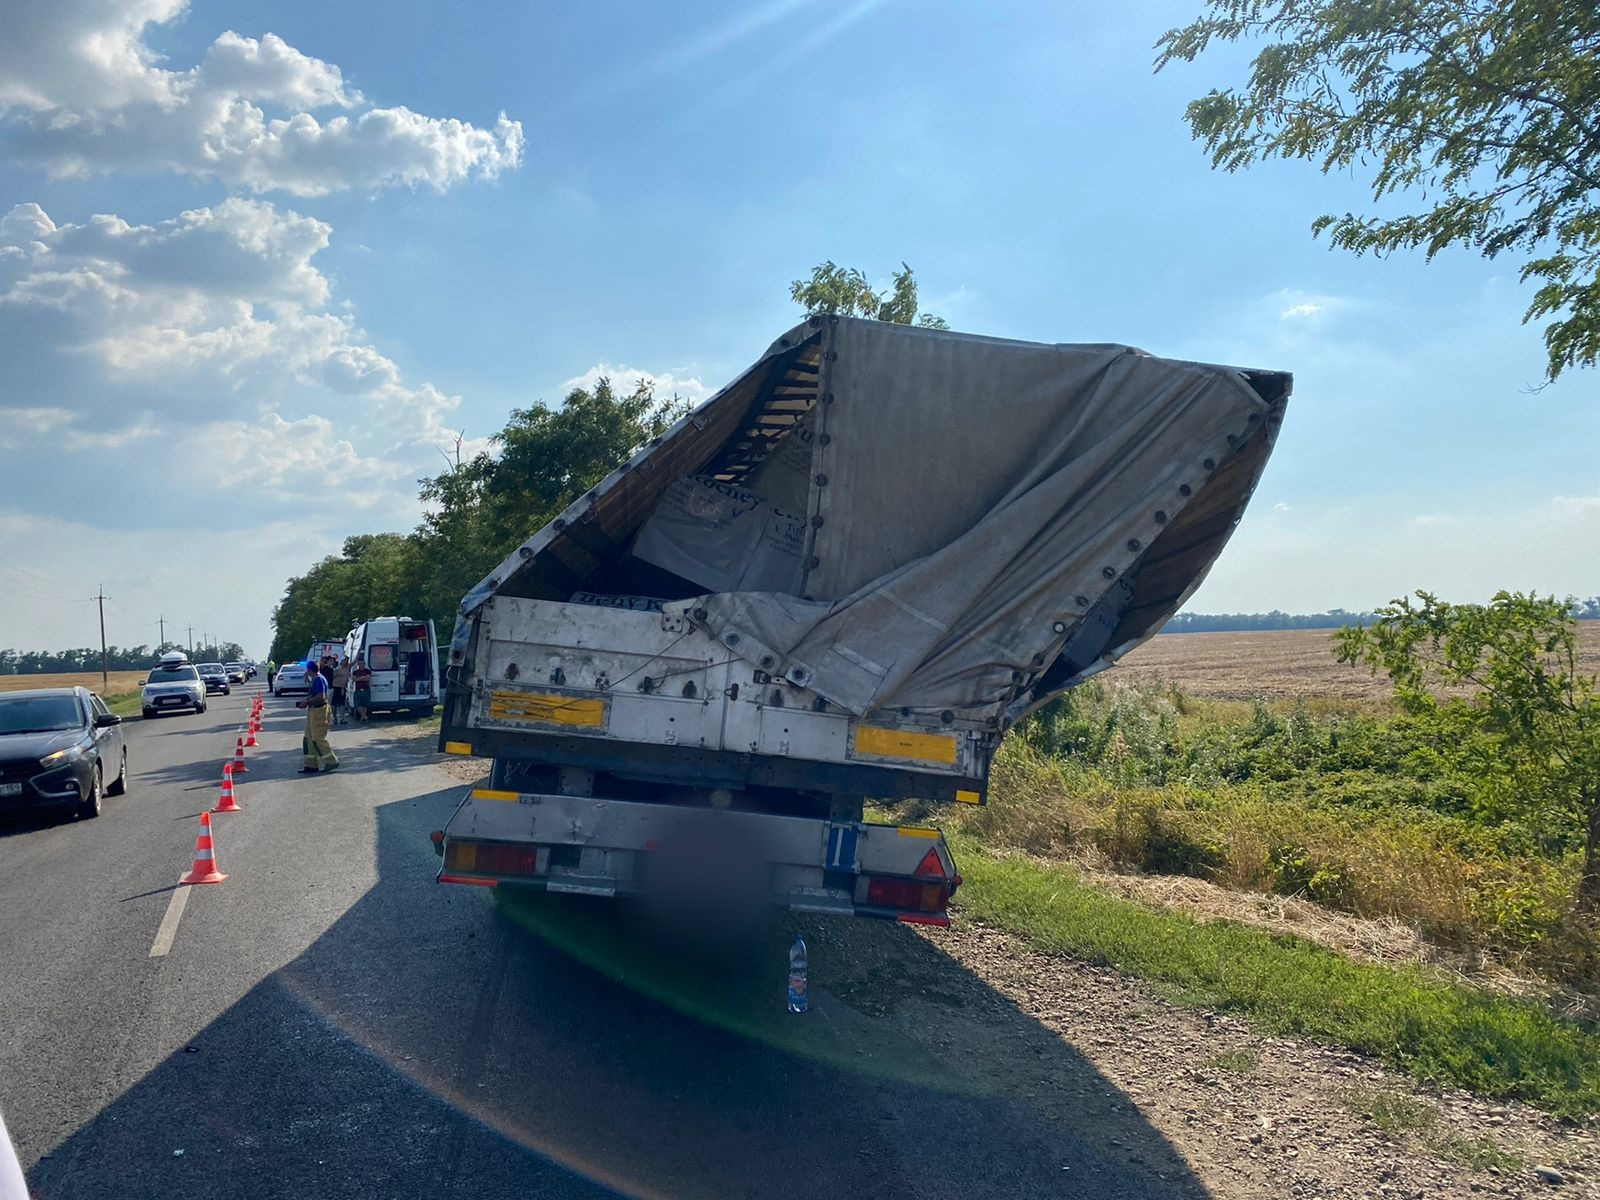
(1339,804)
(1440,1032)
(1399,1115)
(124,705)
(1238,1062)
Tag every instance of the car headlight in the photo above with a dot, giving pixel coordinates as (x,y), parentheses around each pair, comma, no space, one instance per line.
(62,756)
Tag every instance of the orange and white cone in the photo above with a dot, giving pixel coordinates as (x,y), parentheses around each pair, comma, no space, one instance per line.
(251,740)
(205,856)
(238,757)
(226,802)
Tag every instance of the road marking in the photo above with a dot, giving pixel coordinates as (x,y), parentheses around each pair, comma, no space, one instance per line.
(169,923)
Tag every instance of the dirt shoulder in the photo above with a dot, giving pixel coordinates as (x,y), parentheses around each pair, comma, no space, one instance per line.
(1253,1116)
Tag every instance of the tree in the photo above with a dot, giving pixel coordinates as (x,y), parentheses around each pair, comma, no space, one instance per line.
(1498,685)
(836,289)
(1488,111)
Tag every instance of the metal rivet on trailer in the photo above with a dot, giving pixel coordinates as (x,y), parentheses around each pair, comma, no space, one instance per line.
(1161,517)
(1038,660)
(816,521)
(1109,572)
(828,398)
(1185,490)
(559,522)
(1209,464)
(1135,545)
(1233,439)
(947,716)
(824,438)
(822,481)
(494,581)
(812,564)
(783,342)
(833,355)
(798,675)
(1083,601)
(524,552)
(1059,626)
(732,639)
(766,660)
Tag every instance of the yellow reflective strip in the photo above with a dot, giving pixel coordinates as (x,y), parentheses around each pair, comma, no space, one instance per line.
(914,831)
(965,797)
(545,709)
(458,747)
(493,794)
(905,743)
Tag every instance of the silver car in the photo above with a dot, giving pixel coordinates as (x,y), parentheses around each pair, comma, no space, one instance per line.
(173,686)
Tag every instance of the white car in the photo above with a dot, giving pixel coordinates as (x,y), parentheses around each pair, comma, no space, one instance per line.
(291,677)
(175,684)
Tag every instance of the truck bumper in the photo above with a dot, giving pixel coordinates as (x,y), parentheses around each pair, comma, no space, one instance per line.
(594,846)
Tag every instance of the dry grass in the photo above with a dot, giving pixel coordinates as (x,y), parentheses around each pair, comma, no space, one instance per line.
(1289,664)
(121,682)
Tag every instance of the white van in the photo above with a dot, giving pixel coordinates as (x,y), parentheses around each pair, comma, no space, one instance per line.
(404,657)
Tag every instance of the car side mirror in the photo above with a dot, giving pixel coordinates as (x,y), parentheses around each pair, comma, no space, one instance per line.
(105,720)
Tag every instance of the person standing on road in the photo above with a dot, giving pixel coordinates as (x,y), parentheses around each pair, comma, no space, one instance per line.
(272,671)
(361,681)
(340,681)
(319,754)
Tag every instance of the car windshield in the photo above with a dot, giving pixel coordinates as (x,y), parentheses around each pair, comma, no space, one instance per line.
(38,714)
(210,668)
(173,675)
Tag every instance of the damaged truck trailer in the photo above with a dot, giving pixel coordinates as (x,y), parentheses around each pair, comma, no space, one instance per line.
(840,579)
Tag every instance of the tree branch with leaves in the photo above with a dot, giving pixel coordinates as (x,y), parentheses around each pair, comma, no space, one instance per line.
(1488,114)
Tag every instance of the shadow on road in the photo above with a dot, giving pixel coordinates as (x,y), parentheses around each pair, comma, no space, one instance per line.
(433,1042)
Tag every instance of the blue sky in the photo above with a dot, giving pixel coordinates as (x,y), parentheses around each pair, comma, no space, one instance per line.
(195,407)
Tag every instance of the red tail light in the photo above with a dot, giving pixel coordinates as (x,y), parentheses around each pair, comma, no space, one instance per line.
(908,894)
(491,858)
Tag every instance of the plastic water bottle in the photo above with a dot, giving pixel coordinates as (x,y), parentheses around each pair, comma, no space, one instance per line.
(799,1001)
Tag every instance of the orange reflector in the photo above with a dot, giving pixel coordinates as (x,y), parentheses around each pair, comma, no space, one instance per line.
(930,865)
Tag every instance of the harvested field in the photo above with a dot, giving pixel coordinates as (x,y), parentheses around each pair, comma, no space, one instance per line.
(1290,664)
(122,682)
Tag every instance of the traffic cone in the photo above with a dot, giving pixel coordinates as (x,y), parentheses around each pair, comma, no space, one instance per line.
(205,856)
(251,740)
(238,757)
(226,802)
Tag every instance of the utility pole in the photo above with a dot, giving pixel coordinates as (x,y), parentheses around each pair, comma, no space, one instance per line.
(161,621)
(105,675)
(191,641)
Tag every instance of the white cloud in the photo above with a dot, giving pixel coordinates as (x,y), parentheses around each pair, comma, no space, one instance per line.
(82,92)
(624,379)
(1304,309)
(206,315)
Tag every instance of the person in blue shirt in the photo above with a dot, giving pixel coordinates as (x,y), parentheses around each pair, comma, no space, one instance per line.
(319,754)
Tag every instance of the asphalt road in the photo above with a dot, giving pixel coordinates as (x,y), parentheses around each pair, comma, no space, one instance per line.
(331,1022)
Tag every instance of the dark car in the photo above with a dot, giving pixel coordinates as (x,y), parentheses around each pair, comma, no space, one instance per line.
(215,677)
(60,748)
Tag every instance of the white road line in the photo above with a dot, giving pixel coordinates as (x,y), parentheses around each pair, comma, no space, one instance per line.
(169,923)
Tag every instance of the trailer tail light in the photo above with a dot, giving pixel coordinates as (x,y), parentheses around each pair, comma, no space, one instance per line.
(926,892)
(489,858)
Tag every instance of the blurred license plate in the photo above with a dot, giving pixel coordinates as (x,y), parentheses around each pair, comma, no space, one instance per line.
(10,789)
